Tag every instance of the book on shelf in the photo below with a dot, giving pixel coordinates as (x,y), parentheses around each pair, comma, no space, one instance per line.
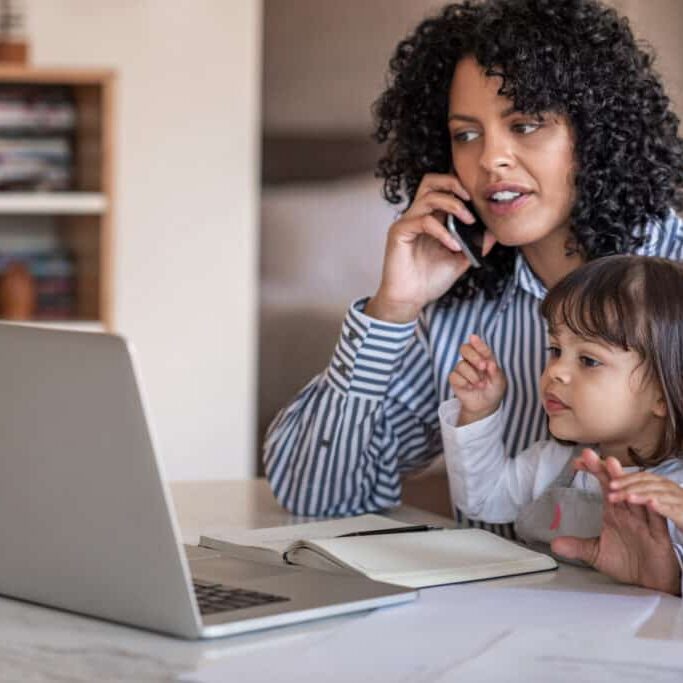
(36,108)
(416,559)
(36,164)
(37,124)
(54,281)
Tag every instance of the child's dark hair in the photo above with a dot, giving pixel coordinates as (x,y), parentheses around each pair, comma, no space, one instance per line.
(636,303)
(574,57)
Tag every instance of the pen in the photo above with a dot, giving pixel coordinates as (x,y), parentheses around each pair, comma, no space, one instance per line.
(393,530)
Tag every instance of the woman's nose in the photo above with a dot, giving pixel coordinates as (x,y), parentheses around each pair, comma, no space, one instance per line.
(497,152)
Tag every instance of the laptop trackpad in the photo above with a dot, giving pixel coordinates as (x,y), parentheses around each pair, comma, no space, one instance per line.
(228,570)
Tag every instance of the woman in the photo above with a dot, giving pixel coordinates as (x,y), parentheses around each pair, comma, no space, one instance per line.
(549,118)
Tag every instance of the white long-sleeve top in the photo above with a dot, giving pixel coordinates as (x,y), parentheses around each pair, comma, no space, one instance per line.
(489,486)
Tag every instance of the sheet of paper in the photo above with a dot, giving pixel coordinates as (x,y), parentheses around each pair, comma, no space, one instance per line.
(531,656)
(418,642)
(279,537)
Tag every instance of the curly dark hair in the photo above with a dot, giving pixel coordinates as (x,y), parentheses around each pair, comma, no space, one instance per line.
(578,58)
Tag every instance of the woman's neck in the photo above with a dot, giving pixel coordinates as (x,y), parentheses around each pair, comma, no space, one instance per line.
(551,258)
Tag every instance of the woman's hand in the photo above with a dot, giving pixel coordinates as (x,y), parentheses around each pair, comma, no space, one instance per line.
(659,494)
(422,260)
(477,381)
(634,545)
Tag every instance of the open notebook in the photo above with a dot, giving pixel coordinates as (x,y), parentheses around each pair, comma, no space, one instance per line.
(415,559)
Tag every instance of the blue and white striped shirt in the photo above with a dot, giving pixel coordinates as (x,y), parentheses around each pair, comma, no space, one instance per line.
(341,446)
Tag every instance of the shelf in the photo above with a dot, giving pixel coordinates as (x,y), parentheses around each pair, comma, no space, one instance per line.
(75,325)
(62,203)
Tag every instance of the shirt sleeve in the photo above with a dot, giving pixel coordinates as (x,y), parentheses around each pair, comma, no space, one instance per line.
(677,541)
(484,482)
(340,446)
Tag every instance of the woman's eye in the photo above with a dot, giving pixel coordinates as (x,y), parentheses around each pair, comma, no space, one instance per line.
(589,362)
(526,128)
(465,136)
(553,351)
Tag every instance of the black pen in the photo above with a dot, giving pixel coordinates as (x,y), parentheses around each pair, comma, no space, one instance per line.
(393,530)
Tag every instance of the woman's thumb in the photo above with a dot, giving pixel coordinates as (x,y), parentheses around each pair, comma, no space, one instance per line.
(573,548)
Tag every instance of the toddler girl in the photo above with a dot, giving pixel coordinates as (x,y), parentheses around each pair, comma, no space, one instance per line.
(613,382)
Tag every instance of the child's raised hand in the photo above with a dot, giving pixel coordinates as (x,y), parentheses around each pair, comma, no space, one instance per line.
(477,381)
(657,493)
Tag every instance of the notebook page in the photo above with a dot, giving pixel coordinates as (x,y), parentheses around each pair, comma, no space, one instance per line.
(434,557)
(280,537)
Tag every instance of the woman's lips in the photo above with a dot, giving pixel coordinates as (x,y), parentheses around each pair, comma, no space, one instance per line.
(504,208)
(553,404)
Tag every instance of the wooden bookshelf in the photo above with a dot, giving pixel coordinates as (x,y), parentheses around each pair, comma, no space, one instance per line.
(83,217)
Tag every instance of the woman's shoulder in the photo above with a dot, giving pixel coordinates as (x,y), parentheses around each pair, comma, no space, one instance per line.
(664,238)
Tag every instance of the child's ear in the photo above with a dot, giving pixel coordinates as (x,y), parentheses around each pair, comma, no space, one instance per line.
(660,409)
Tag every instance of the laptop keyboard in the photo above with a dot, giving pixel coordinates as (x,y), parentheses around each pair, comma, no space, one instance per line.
(214,597)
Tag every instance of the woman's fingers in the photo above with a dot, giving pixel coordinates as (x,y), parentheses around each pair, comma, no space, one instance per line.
(591,462)
(670,509)
(441,182)
(439,202)
(633,478)
(409,229)
(646,486)
(657,523)
(614,468)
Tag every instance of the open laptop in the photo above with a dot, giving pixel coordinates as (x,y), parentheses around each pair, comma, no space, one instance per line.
(86,520)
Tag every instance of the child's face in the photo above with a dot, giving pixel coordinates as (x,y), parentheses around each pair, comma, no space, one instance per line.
(492,143)
(597,393)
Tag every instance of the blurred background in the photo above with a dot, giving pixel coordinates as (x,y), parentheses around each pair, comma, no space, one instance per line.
(197,176)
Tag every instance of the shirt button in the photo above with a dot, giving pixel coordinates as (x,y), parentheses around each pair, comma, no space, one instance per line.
(352,335)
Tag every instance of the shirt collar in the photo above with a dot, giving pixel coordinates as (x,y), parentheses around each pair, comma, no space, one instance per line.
(526,278)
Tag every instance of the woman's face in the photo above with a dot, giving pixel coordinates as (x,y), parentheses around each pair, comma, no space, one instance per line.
(495,148)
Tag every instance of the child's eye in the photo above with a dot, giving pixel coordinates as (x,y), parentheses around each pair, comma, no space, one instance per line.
(589,362)
(553,351)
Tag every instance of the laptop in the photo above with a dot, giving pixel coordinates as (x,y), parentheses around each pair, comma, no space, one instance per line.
(86,520)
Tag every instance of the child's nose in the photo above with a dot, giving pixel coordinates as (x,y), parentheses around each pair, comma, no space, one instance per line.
(558,371)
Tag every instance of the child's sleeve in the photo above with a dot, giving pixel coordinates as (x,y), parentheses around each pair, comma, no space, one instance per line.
(484,482)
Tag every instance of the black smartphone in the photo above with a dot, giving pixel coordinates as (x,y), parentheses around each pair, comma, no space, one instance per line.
(470,236)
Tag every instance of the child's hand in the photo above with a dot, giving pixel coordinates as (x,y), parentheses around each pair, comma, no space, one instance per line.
(477,381)
(657,493)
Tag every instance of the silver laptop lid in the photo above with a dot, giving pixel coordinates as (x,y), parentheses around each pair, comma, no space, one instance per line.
(84,510)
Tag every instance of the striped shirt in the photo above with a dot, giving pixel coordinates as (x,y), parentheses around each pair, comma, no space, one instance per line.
(343,443)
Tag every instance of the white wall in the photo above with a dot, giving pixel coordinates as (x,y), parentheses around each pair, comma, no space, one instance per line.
(187,189)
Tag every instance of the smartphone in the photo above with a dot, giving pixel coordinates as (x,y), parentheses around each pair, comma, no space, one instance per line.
(470,237)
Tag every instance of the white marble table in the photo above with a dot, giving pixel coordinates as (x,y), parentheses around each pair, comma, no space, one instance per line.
(41,644)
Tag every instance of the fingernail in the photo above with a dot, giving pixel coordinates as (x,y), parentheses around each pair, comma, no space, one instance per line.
(455,245)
